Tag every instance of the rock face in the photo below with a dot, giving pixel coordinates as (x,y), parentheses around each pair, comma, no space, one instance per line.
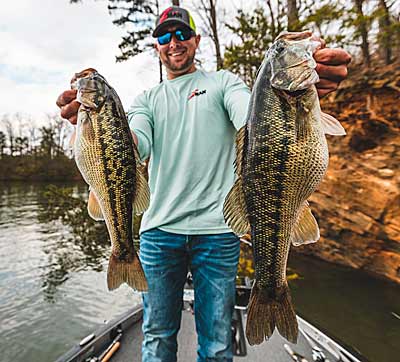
(358,204)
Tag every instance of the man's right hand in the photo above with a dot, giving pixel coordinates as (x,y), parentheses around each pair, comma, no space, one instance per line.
(69,108)
(69,105)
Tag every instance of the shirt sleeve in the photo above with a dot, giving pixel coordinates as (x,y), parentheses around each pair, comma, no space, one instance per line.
(141,122)
(236,98)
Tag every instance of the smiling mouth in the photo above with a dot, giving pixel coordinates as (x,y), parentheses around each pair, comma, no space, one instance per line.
(176,53)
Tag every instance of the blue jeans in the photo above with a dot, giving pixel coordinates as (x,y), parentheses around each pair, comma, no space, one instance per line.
(166,258)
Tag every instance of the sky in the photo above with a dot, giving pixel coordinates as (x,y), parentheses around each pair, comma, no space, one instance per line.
(43,43)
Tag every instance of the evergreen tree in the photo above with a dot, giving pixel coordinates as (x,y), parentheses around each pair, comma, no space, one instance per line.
(256,31)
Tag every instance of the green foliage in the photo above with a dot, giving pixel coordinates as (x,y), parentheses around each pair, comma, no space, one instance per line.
(256,31)
(38,168)
(320,19)
(138,17)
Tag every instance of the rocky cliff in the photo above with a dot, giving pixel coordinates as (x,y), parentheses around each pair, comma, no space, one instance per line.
(358,204)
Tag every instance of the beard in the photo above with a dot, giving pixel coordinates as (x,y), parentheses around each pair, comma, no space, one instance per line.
(186,65)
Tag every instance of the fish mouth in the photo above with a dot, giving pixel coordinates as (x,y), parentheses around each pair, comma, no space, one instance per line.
(304,81)
(83,74)
(295,36)
(294,78)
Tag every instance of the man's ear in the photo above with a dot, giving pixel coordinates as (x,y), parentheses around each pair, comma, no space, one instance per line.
(155,45)
(198,37)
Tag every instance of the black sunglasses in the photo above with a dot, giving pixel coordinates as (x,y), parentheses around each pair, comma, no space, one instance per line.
(180,34)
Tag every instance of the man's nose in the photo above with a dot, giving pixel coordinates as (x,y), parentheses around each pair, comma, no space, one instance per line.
(174,42)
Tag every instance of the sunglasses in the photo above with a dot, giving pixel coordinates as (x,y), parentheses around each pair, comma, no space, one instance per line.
(180,34)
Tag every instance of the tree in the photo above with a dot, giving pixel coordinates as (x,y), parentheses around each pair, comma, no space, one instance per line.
(207,10)
(3,143)
(361,23)
(385,31)
(21,145)
(8,125)
(324,19)
(293,16)
(256,31)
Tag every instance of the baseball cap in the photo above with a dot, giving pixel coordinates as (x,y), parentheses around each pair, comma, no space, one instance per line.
(173,15)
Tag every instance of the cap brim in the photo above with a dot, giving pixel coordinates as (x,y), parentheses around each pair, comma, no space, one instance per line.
(160,29)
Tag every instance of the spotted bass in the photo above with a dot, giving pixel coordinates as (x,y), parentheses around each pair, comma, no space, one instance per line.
(282,157)
(108,161)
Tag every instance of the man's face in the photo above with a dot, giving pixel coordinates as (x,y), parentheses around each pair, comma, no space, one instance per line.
(178,56)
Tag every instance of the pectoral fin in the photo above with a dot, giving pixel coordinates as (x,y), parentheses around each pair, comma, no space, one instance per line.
(331,125)
(235,212)
(94,209)
(86,129)
(142,196)
(306,230)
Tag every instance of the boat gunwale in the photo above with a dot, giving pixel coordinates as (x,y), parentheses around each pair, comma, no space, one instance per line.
(103,336)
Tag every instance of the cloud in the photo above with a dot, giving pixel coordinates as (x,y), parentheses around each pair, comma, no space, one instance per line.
(44,43)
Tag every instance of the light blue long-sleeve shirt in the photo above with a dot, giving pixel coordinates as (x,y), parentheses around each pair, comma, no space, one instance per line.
(188,126)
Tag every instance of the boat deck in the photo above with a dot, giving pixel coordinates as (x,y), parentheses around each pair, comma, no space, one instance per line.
(272,350)
(312,344)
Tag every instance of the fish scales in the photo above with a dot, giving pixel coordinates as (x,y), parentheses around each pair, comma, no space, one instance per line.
(106,156)
(282,156)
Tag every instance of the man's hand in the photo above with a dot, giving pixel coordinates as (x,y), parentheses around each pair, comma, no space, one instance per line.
(69,105)
(331,68)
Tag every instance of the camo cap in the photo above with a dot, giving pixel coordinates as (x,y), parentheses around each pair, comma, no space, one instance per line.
(173,15)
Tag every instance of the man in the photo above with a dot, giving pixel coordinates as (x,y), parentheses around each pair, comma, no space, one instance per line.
(187,126)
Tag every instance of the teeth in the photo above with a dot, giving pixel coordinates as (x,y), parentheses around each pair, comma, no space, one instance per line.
(176,54)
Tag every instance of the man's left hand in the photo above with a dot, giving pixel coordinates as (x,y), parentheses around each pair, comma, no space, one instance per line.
(331,68)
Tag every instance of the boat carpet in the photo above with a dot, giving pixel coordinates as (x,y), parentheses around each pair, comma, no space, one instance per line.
(269,351)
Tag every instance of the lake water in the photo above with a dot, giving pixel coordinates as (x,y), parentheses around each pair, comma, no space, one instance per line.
(53,283)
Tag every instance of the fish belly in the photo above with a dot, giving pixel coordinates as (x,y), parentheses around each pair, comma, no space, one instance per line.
(106,162)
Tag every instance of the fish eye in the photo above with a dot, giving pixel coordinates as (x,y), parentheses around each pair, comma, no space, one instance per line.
(279,47)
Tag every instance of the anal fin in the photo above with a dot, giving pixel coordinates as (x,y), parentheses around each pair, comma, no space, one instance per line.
(94,208)
(306,230)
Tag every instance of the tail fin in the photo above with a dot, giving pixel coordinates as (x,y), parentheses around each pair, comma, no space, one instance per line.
(264,314)
(121,271)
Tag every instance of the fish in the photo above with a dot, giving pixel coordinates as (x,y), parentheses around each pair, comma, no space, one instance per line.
(281,158)
(109,162)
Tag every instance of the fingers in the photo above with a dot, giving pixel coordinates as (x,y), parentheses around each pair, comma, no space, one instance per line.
(325,86)
(330,56)
(66,97)
(331,68)
(323,92)
(74,119)
(70,111)
(69,105)
(334,73)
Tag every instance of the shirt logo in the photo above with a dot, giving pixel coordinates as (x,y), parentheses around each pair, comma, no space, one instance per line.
(196,92)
